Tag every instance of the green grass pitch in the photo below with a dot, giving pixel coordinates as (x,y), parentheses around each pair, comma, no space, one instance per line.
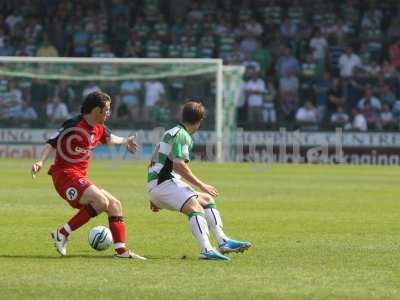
(319,232)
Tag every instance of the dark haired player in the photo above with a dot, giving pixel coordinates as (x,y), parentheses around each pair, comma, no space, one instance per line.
(167,190)
(73,146)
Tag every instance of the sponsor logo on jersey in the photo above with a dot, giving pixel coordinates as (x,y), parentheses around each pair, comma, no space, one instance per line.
(82,182)
(81,150)
(71,193)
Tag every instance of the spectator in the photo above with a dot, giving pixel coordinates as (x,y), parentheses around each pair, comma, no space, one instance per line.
(12,103)
(289,83)
(141,27)
(372,115)
(46,49)
(289,103)
(269,112)
(236,57)
(307,116)
(387,118)
(135,46)
(389,74)
(60,38)
(288,29)
(359,123)
(33,29)
(2,37)
(254,93)
(336,97)
(308,74)
(162,113)
(347,62)
(207,46)
(336,50)
(339,118)
(7,49)
(371,18)
(81,40)
(396,110)
(190,49)
(253,28)
(295,12)
(387,95)
(153,46)
(373,69)
(23,114)
(394,54)
(304,31)
(40,91)
(13,19)
(56,111)
(15,92)
(130,97)
(287,63)
(195,12)
(90,88)
(103,50)
(322,87)
(369,99)
(263,57)
(67,92)
(340,30)
(249,33)
(393,32)
(216,29)
(355,87)
(319,46)
(154,92)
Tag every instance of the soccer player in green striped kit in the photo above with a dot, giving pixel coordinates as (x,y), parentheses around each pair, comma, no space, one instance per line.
(168,165)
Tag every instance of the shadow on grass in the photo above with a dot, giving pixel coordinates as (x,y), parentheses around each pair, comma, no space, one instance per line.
(27,256)
(88,256)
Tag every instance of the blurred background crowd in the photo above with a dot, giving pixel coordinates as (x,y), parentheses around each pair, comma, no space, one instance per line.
(310,64)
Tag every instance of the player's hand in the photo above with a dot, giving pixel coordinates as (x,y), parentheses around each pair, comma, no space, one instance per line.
(131,144)
(36,168)
(154,207)
(209,189)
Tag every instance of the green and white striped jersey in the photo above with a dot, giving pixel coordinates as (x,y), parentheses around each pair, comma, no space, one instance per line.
(176,143)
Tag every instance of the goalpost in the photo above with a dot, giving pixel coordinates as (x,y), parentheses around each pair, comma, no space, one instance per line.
(217,83)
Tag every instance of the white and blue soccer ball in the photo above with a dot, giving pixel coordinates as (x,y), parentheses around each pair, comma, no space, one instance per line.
(100,238)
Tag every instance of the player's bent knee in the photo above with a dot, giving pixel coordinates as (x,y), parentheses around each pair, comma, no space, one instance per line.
(95,198)
(191,206)
(115,207)
(101,202)
(205,199)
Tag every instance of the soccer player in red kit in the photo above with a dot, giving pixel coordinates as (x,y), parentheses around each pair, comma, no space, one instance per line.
(73,147)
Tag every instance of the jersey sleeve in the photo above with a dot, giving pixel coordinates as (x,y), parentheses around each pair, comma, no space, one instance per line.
(54,138)
(181,147)
(105,137)
(68,124)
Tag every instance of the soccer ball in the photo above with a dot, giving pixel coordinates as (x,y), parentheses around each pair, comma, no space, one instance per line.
(100,238)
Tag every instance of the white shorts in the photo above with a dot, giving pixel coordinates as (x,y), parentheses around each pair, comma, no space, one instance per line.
(172,194)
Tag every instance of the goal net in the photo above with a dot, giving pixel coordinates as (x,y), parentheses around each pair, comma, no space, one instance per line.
(146,93)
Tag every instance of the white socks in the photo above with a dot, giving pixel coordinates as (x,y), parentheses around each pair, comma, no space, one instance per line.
(200,230)
(215,222)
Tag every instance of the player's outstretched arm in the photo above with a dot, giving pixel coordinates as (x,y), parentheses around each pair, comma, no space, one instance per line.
(130,142)
(48,149)
(181,167)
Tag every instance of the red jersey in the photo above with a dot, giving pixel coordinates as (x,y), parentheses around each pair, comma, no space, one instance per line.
(74,144)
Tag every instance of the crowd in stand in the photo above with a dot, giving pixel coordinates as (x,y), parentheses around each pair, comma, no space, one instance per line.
(310,64)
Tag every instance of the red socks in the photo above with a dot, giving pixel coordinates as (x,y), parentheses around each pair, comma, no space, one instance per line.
(81,218)
(117,227)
